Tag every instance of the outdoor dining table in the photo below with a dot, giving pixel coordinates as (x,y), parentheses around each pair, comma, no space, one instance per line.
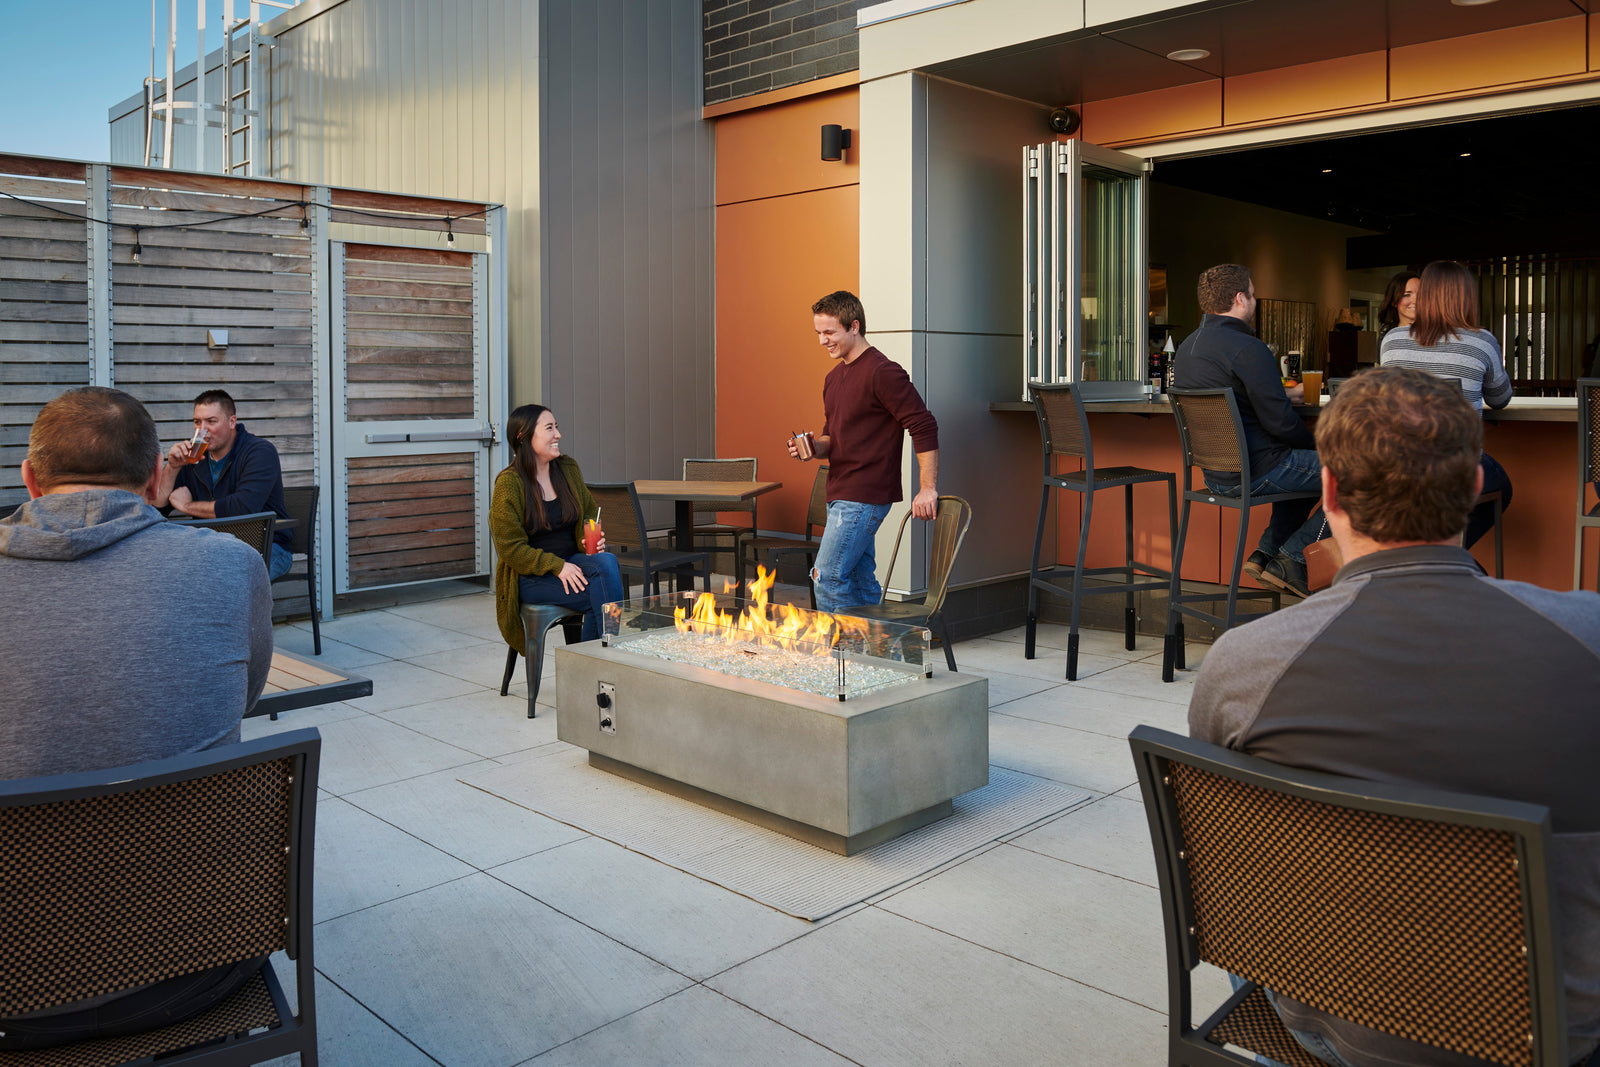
(685,494)
(294,683)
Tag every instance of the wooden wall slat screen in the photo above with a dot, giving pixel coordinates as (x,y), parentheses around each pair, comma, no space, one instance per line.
(411,518)
(44,307)
(409,351)
(202,268)
(1545,311)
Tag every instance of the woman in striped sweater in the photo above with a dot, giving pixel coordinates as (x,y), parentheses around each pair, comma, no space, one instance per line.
(1445,340)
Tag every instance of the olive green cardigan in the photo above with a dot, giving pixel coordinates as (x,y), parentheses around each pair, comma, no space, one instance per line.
(514,556)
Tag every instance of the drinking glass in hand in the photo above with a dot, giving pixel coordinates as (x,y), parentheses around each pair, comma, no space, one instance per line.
(198,444)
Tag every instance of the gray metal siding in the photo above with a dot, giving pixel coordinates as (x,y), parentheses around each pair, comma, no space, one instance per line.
(628,242)
(608,212)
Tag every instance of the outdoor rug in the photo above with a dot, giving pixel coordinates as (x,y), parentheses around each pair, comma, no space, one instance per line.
(795,878)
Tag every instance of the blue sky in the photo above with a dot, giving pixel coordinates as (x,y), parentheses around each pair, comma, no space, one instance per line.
(64,63)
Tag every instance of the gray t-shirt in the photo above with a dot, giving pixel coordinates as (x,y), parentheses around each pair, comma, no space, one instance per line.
(1414,667)
(125,637)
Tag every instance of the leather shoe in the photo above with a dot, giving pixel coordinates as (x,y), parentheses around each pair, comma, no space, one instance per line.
(1284,573)
(1257,563)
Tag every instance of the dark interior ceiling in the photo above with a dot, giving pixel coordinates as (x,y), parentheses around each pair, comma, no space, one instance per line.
(1526,184)
(1243,36)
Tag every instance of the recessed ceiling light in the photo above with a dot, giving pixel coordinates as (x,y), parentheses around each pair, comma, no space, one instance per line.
(1471,3)
(1327,170)
(1188,55)
(1464,155)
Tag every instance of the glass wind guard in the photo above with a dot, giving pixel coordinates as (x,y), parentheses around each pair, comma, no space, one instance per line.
(811,651)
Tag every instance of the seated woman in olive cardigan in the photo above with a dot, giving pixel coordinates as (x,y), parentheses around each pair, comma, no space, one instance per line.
(536,519)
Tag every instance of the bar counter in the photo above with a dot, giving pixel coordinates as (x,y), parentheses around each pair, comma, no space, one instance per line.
(1534,438)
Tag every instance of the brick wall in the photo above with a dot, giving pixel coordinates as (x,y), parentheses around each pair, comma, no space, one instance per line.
(752,46)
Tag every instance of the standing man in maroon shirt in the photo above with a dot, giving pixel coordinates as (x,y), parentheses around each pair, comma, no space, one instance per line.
(868,404)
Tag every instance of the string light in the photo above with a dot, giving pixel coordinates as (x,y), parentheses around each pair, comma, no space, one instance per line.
(449,233)
(138,249)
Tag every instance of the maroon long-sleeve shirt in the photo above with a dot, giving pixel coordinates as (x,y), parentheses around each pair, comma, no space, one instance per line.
(867,405)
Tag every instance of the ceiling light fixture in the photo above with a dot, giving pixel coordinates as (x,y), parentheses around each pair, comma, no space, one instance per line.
(1471,3)
(1464,155)
(1327,170)
(1188,55)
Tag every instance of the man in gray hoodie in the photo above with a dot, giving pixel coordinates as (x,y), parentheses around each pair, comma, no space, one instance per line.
(124,638)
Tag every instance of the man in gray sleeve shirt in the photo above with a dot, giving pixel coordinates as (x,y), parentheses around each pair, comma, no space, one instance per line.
(125,638)
(1414,667)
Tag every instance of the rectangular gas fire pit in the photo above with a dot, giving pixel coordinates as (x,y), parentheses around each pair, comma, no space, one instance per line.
(831,730)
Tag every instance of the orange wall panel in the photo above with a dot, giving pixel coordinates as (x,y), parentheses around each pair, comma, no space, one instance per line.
(1349,81)
(1163,112)
(775,257)
(1502,57)
(776,151)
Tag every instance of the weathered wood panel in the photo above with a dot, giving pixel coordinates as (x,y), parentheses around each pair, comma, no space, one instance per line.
(392,538)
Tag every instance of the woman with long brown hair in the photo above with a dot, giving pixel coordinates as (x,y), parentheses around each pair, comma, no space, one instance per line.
(1399,307)
(1446,340)
(536,517)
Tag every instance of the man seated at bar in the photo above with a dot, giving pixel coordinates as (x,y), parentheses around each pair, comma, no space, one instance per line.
(1415,667)
(125,638)
(234,473)
(1225,353)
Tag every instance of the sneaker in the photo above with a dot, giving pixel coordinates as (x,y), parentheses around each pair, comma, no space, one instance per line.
(1257,563)
(1284,573)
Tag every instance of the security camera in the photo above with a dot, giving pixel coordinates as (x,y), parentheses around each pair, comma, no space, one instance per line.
(1064,120)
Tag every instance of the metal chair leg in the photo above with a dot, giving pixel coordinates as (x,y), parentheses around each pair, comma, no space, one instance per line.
(511,665)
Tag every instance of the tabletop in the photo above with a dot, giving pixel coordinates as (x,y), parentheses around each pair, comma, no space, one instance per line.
(295,683)
(701,492)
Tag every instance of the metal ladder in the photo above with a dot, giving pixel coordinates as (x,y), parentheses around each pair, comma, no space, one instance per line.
(238,114)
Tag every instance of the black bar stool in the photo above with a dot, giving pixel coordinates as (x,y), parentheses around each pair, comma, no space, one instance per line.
(1212,436)
(1064,431)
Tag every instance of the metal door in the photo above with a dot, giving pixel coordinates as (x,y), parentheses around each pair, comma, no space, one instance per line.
(413,389)
(1085,267)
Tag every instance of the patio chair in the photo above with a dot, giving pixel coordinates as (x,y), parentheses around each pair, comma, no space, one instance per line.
(751,548)
(1211,435)
(301,503)
(949,530)
(626,538)
(536,622)
(1588,472)
(1422,914)
(1064,431)
(709,534)
(143,873)
(254,530)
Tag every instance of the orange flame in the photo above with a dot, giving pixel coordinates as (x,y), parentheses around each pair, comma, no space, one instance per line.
(785,626)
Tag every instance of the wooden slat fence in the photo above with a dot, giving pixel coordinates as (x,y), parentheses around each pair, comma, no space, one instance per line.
(219,252)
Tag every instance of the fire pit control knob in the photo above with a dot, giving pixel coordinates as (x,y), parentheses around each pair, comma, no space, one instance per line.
(604,700)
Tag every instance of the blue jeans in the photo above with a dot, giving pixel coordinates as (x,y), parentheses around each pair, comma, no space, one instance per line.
(605,586)
(282,560)
(1481,520)
(1291,528)
(846,572)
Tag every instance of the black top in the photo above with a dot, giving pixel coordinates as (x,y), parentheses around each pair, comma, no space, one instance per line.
(1224,353)
(559,539)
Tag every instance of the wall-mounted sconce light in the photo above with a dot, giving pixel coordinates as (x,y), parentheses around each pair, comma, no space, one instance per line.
(217,339)
(835,139)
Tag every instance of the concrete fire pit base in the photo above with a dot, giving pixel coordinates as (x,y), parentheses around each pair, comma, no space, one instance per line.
(842,776)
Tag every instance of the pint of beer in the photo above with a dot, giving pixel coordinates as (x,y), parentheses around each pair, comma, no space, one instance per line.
(197,445)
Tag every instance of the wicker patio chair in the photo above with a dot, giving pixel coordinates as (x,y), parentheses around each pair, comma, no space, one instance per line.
(1421,914)
(166,868)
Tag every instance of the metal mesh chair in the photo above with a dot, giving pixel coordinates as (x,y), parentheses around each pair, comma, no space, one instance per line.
(1212,437)
(1064,431)
(949,530)
(254,530)
(301,503)
(1422,914)
(709,534)
(751,548)
(536,622)
(627,539)
(167,868)
(1588,472)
